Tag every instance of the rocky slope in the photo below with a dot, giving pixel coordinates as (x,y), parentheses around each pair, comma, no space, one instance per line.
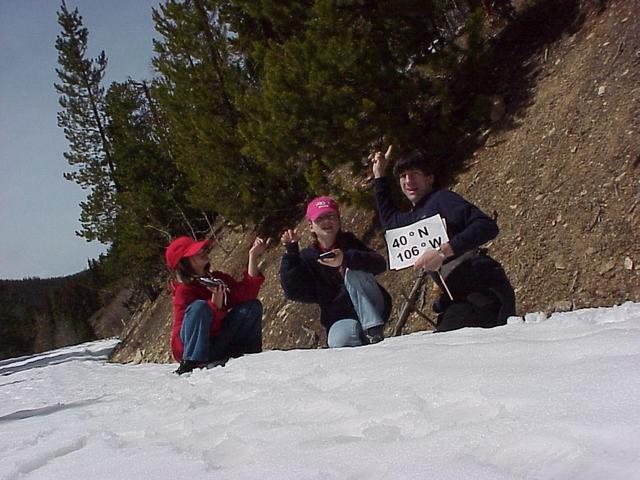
(560,171)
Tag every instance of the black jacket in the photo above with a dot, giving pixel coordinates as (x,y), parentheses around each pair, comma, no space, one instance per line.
(305,280)
(467,228)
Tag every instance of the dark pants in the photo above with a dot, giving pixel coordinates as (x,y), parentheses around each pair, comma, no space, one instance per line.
(241,332)
(483,313)
(482,296)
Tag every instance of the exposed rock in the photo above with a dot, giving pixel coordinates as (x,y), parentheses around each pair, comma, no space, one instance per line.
(562,306)
(607,267)
(111,319)
(138,356)
(535,317)
(590,251)
(497,108)
(560,264)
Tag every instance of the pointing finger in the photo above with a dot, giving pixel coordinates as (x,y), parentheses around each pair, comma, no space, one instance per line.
(388,154)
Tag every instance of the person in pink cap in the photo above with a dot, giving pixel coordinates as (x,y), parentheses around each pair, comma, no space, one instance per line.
(337,273)
(215,317)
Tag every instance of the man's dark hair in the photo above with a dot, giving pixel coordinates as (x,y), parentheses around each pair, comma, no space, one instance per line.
(414,160)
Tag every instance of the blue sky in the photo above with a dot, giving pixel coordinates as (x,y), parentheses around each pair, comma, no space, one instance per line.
(38,208)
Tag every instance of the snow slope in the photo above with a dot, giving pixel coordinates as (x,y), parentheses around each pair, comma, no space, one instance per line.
(549,398)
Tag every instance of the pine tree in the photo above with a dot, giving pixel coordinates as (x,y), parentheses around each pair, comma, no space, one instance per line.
(264,98)
(286,91)
(196,90)
(83,120)
(152,204)
(328,95)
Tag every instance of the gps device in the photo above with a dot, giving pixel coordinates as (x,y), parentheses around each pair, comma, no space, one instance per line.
(210,282)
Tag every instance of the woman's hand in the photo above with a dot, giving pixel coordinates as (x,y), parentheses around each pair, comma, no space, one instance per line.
(258,247)
(334,262)
(217,295)
(255,252)
(289,236)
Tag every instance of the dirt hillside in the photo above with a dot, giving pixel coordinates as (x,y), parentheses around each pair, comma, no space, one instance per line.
(560,171)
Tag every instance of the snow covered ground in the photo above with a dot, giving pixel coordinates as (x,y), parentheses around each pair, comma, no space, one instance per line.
(555,398)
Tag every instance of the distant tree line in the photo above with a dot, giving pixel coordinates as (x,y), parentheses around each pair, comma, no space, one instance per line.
(40,314)
(253,104)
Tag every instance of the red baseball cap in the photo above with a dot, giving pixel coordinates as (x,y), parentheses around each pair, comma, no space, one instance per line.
(321,205)
(182,247)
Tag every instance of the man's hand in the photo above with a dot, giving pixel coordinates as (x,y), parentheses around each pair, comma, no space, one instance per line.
(380,162)
(289,236)
(431,261)
(334,262)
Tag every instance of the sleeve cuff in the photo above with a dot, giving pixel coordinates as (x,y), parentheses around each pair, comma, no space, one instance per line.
(380,183)
(293,247)
(218,313)
(258,278)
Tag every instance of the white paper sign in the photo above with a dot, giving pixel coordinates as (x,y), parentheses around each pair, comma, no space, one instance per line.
(406,244)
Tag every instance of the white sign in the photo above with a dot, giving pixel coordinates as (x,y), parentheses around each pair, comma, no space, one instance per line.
(406,244)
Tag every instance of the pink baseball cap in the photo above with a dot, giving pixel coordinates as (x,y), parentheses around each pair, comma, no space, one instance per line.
(321,205)
(182,247)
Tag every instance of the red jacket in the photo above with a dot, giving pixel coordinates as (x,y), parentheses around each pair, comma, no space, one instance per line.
(184,295)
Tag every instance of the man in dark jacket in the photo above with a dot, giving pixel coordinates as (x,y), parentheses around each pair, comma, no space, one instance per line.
(482,294)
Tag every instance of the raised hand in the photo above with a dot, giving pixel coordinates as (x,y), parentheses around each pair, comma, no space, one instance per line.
(380,162)
(289,236)
(258,247)
(256,250)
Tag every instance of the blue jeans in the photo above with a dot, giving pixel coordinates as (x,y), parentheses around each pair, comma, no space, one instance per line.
(368,302)
(241,332)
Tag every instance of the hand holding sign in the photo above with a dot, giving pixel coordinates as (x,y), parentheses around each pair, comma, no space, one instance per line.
(380,162)
(416,243)
(431,261)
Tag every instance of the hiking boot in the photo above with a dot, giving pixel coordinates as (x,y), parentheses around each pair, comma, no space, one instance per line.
(374,334)
(187,366)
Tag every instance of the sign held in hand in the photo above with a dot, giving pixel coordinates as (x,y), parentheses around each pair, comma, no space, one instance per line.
(406,244)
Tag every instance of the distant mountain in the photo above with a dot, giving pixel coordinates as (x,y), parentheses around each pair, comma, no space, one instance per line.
(41,314)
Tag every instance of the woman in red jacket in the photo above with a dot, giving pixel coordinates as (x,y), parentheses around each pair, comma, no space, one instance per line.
(215,317)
